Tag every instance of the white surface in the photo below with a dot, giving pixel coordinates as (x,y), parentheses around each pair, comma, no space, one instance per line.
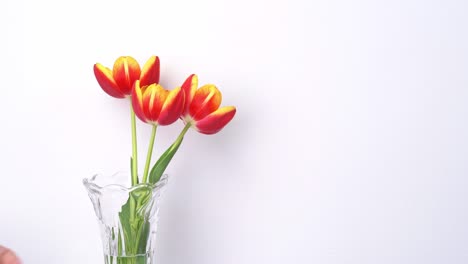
(350,143)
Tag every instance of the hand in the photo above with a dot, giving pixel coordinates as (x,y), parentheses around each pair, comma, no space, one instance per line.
(7,256)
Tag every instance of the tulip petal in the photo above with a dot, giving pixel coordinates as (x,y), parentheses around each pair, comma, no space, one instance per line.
(126,71)
(172,108)
(137,101)
(153,101)
(205,101)
(106,81)
(150,72)
(215,121)
(189,87)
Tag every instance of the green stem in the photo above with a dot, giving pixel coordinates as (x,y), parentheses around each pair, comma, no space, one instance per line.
(134,149)
(182,134)
(150,153)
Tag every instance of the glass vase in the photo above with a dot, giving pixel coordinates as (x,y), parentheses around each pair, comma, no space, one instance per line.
(127,217)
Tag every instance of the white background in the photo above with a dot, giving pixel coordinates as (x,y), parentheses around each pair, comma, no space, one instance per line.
(349,146)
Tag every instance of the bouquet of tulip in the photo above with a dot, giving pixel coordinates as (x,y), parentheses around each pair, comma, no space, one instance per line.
(198,108)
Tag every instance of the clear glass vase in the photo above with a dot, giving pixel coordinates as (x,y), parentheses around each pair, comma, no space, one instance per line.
(127,217)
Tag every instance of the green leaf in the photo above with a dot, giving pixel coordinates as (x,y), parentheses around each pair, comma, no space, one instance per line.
(119,242)
(135,227)
(141,196)
(126,220)
(144,234)
(161,165)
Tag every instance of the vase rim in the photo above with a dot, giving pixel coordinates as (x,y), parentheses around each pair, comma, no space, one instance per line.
(90,184)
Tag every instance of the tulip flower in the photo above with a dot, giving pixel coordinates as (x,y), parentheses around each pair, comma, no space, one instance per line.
(119,81)
(201,109)
(156,105)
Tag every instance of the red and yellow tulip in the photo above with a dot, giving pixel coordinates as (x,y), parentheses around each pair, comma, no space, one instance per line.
(156,105)
(201,108)
(119,81)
